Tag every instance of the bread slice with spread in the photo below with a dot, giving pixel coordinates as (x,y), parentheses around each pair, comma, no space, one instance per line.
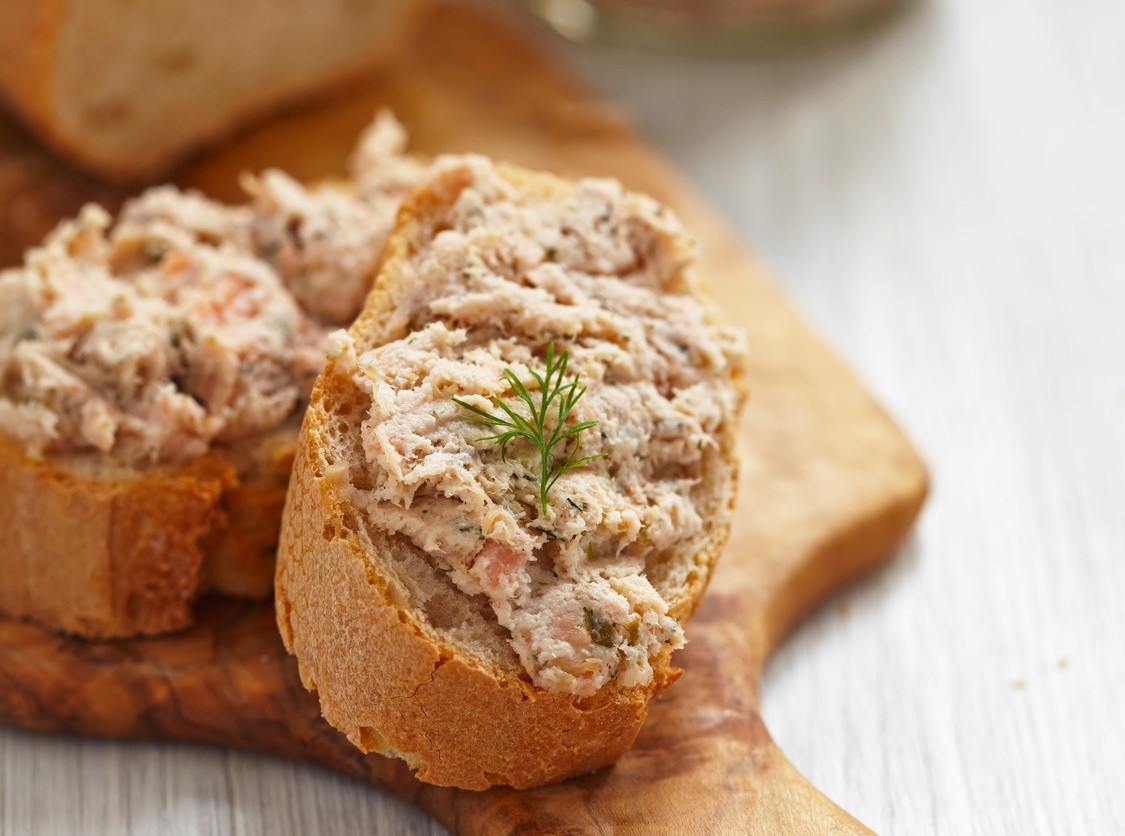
(153,374)
(499,607)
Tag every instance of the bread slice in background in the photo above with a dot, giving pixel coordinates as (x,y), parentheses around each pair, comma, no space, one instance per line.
(405,663)
(126,89)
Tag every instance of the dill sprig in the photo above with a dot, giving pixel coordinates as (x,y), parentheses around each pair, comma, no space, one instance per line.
(557,398)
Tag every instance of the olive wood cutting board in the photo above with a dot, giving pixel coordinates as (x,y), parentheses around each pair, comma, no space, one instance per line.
(829,487)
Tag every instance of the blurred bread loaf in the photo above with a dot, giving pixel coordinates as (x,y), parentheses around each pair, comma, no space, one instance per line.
(126,89)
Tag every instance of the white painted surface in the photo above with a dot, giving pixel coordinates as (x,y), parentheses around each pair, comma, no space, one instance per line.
(945,198)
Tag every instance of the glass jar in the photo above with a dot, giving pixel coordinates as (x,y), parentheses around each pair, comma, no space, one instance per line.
(704,24)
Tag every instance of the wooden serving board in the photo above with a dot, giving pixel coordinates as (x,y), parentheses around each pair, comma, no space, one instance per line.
(830,486)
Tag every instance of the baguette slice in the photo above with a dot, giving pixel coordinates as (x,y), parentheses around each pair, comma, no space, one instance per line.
(128,89)
(119,510)
(105,552)
(405,661)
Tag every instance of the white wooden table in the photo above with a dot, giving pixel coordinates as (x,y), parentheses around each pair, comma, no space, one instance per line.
(945,198)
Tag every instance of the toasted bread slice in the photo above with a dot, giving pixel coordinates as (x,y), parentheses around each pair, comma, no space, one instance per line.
(471,661)
(153,373)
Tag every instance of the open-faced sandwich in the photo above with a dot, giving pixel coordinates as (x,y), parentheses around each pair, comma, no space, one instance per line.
(153,375)
(513,480)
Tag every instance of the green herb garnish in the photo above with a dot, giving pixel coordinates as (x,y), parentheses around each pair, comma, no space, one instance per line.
(557,398)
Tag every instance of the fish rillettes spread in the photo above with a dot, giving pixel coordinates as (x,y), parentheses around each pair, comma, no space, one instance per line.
(188,322)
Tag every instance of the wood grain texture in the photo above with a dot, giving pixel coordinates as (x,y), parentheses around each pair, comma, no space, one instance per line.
(830,487)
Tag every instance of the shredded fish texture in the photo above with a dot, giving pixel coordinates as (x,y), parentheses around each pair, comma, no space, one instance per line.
(187,322)
(604,274)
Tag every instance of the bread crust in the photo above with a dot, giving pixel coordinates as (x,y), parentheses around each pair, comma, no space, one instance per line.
(110,554)
(27,40)
(28,59)
(387,679)
(239,554)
